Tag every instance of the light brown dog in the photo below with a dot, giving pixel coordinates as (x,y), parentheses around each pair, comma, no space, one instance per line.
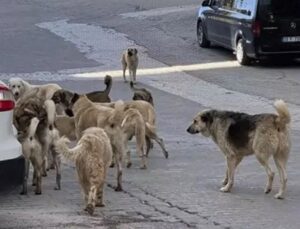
(32,151)
(66,126)
(148,113)
(130,60)
(133,124)
(240,134)
(92,156)
(87,114)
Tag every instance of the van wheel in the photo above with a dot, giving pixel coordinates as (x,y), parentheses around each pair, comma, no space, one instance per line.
(201,36)
(241,55)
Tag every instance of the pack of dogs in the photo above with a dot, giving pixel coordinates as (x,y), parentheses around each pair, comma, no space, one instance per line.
(48,117)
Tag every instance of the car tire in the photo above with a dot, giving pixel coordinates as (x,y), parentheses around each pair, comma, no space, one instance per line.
(241,55)
(203,42)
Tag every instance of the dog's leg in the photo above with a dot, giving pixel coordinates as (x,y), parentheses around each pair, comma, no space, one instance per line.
(57,162)
(225,181)
(232,161)
(26,174)
(124,71)
(131,75)
(263,160)
(119,170)
(100,195)
(134,75)
(128,158)
(38,189)
(148,145)
(34,178)
(152,135)
(280,161)
(113,161)
(92,196)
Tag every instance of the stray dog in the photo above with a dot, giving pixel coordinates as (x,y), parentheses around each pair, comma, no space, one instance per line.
(32,151)
(148,113)
(26,109)
(87,114)
(133,124)
(63,97)
(65,126)
(141,94)
(240,134)
(130,59)
(92,156)
(19,87)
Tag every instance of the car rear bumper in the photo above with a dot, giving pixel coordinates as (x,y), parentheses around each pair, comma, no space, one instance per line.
(11,173)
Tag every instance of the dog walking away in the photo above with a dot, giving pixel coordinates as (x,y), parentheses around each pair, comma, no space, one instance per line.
(19,87)
(32,151)
(92,156)
(130,60)
(141,94)
(240,134)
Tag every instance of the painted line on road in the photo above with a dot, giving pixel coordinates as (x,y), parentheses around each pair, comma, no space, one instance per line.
(160,11)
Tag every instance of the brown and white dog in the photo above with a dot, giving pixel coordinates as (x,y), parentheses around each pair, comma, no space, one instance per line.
(239,135)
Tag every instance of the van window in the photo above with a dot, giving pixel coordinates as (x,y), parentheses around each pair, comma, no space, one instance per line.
(285,8)
(226,4)
(245,6)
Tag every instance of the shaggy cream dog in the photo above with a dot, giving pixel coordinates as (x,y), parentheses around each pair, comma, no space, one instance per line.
(92,156)
(130,60)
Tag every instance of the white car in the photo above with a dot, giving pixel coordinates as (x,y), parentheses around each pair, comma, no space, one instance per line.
(11,158)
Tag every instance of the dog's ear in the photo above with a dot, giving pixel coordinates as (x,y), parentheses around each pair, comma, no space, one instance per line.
(135,50)
(207,117)
(74,98)
(69,112)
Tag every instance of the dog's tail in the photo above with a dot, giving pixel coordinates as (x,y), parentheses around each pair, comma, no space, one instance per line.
(51,112)
(284,116)
(108,83)
(61,146)
(32,127)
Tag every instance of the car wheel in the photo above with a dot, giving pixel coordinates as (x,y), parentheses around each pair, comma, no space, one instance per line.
(201,36)
(241,55)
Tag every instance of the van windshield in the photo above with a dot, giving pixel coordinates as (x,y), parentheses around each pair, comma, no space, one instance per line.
(286,8)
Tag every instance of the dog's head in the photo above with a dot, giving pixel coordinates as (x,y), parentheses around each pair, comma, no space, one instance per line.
(201,123)
(17,87)
(132,51)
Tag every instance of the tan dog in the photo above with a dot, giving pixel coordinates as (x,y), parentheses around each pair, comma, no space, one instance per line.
(86,115)
(240,134)
(66,126)
(130,60)
(19,87)
(32,151)
(133,124)
(92,156)
(148,113)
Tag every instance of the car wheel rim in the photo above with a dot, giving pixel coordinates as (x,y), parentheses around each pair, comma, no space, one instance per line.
(239,52)
(200,34)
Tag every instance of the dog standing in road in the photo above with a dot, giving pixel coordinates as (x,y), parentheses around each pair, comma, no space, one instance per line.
(130,60)
(141,94)
(92,156)
(240,134)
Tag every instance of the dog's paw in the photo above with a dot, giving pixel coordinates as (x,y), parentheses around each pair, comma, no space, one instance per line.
(225,189)
(128,164)
(279,196)
(118,189)
(57,188)
(33,184)
(44,174)
(38,192)
(23,192)
(143,167)
(267,190)
(112,165)
(90,209)
(100,205)
(166,154)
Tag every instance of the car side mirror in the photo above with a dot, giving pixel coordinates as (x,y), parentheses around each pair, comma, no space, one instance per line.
(205,3)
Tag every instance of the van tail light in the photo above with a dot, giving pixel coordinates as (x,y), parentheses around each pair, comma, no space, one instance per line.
(6,99)
(256,28)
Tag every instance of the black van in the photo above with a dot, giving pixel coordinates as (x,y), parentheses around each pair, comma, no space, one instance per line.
(254,29)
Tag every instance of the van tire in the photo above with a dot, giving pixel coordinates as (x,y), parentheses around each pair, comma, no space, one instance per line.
(203,42)
(241,55)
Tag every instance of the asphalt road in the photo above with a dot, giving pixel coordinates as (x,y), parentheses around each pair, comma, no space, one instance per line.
(75,43)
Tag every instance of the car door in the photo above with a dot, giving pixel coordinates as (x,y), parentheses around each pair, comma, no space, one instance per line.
(213,21)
